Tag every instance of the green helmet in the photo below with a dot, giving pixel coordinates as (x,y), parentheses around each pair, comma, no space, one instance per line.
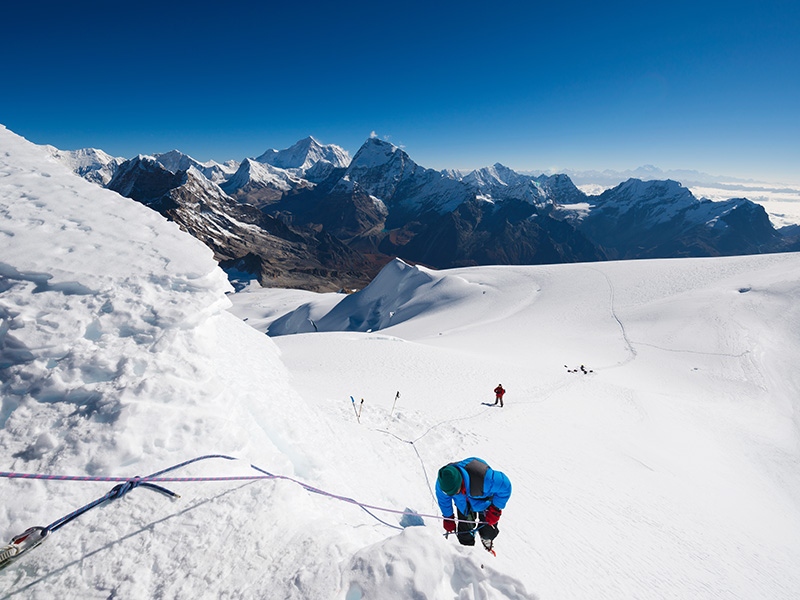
(450,480)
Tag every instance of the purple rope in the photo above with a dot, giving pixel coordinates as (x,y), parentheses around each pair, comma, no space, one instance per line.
(119,491)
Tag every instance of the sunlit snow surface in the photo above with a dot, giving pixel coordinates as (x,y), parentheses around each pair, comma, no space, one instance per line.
(671,470)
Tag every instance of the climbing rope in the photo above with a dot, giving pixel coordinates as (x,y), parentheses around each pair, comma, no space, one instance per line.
(34,536)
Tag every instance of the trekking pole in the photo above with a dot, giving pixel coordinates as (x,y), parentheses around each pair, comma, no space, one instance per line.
(396,396)
(355,410)
(360,408)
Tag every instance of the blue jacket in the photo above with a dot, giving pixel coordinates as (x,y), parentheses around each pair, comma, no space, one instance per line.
(496,489)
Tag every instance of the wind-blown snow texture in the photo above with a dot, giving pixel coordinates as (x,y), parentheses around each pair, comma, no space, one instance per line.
(670,471)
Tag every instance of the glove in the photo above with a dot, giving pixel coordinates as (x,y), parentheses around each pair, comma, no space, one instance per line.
(449,524)
(492,515)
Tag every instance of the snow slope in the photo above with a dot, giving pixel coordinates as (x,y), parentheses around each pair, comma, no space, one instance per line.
(672,470)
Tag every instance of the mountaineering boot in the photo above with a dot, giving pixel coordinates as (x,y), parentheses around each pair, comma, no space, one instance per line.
(489,546)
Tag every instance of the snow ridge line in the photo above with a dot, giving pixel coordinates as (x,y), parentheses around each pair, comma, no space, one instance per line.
(700,352)
(628,343)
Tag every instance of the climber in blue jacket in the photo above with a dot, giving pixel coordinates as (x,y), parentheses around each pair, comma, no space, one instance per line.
(478,492)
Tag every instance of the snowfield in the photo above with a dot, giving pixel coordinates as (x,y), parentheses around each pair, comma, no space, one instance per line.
(671,469)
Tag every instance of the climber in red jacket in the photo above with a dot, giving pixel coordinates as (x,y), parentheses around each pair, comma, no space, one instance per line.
(498,393)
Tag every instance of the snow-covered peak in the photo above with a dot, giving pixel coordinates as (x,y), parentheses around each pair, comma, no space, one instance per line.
(92,164)
(304,154)
(377,152)
(254,173)
(652,188)
(385,171)
(666,197)
(560,189)
(667,209)
(175,161)
(142,171)
(196,179)
(496,175)
(499,183)
(379,166)
(399,292)
(455,173)
(82,158)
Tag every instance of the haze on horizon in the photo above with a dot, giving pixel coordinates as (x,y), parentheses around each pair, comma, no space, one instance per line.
(707,86)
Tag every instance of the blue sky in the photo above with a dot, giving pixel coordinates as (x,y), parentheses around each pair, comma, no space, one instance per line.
(712,86)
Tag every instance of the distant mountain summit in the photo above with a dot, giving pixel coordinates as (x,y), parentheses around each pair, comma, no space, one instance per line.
(144,179)
(261,184)
(386,172)
(499,183)
(175,161)
(90,163)
(308,158)
(663,219)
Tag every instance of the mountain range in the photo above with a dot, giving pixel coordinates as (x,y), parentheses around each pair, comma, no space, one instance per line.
(312,217)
